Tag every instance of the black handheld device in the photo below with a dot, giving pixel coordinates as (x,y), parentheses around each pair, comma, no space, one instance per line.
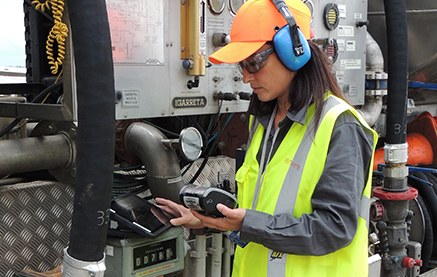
(205,199)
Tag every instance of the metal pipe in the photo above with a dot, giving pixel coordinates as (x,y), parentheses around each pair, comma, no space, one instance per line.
(226,265)
(199,255)
(35,153)
(216,254)
(162,165)
(371,110)
(374,57)
(96,137)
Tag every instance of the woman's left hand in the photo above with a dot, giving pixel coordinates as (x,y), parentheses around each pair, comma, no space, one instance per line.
(232,220)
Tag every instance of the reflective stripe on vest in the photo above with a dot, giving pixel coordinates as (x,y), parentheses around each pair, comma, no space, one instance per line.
(254,258)
(289,190)
(288,194)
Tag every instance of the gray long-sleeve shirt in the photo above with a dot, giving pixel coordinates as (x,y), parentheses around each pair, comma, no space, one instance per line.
(336,199)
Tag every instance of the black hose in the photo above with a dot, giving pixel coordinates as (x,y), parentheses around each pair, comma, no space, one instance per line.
(429,197)
(96,128)
(46,91)
(9,127)
(397,50)
(432,179)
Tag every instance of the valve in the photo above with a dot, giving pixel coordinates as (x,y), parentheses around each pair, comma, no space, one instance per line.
(362,23)
(376,211)
(410,262)
(244,95)
(187,64)
(226,96)
(193,84)
(383,237)
(220,39)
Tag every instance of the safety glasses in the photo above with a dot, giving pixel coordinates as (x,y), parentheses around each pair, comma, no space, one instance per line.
(256,62)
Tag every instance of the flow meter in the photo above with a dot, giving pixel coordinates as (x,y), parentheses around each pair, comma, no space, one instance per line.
(131,257)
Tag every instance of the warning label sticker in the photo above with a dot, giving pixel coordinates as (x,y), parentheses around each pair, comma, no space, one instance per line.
(350,64)
(345,31)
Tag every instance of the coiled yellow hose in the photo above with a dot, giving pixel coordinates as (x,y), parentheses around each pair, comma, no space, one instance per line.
(58,33)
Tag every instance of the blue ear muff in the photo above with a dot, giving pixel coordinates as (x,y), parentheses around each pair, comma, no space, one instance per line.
(284,49)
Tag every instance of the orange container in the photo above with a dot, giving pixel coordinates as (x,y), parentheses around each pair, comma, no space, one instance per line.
(419,151)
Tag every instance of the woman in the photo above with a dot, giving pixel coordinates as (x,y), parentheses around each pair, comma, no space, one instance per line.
(303,186)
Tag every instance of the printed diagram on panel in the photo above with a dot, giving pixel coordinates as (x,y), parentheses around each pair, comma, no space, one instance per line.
(137,31)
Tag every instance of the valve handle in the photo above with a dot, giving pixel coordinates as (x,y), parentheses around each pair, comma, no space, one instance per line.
(410,262)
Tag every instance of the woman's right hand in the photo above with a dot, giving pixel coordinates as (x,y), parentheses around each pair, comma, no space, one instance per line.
(183,215)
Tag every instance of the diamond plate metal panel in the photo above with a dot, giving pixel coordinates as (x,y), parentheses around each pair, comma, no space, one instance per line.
(35,222)
(215,170)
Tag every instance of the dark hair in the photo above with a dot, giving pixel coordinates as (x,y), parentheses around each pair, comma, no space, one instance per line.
(309,85)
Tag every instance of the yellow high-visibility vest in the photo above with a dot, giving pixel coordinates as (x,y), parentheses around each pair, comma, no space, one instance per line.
(297,165)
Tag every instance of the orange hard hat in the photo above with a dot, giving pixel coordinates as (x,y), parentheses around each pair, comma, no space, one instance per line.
(256,23)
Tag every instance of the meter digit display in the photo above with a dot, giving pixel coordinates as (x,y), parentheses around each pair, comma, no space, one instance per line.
(153,254)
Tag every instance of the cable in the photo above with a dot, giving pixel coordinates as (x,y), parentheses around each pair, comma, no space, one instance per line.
(48,89)
(129,179)
(429,86)
(396,263)
(9,127)
(205,160)
(40,96)
(211,119)
(43,101)
(128,168)
(58,33)
(212,124)
(187,168)
(162,129)
(219,133)
(200,129)
(41,6)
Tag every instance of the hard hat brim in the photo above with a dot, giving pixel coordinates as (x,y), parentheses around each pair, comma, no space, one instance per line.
(235,52)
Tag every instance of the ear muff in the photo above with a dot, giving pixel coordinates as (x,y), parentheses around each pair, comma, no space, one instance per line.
(284,48)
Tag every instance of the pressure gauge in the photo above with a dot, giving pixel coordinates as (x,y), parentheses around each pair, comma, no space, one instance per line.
(216,6)
(235,5)
(191,143)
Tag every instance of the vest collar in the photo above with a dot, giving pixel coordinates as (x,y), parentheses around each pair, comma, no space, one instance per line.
(295,116)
